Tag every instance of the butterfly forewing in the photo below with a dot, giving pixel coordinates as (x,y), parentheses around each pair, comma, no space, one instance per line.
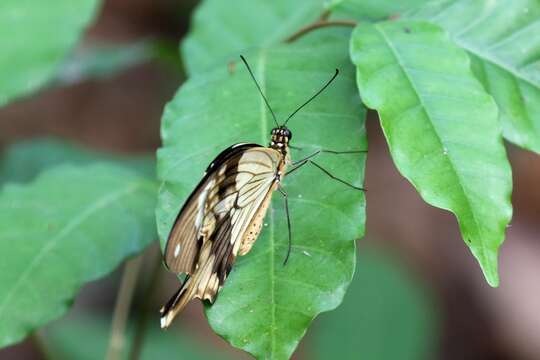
(222,217)
(182,248)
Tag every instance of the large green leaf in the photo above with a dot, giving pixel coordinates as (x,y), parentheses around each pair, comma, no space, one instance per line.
(441,127)
(35,36)
(222,29)
(23,161)
(371,9)
(266,307)
(386,315)
(503,39)
(86,337)
(70,226)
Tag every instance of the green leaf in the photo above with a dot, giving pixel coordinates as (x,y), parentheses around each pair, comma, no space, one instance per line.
(35,37)
(86,337)
(371,9)
(103,60)
(70,226)
(502,37)
(23,161)
(441,127)
(222,29)
(265,307)
(386,315)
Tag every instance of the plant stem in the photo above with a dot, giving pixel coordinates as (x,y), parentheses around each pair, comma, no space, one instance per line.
(121,309)
(151,284)
(317,25)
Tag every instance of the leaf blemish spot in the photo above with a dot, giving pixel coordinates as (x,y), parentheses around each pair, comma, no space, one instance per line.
(407,30)
(231,67)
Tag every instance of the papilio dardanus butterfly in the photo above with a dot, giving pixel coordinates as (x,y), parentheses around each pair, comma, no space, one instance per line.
(222,217)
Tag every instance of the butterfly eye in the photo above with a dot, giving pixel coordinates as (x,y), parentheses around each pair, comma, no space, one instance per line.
(286,133)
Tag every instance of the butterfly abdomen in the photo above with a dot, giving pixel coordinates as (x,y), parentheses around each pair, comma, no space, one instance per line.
(254,228)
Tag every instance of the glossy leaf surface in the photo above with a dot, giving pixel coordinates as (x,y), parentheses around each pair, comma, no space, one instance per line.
(221,30)
(371,10)
(441,126)
(503,40)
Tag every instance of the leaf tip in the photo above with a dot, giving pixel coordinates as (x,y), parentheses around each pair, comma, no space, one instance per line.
(492,278)
(490,269)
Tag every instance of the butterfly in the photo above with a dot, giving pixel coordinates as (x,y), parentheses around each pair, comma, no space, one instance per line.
(223,216)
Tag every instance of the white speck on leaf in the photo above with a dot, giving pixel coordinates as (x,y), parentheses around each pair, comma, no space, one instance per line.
(306,253)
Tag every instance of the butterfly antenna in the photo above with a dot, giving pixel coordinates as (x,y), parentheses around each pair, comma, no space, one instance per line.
(313,97)
(259,88)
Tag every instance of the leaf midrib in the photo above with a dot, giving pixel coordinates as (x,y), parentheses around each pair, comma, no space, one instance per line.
(261,67)
(424,109)
(66,229)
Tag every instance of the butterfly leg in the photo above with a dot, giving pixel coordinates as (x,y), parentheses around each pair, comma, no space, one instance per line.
(308,160)
(304,160)
(288,223)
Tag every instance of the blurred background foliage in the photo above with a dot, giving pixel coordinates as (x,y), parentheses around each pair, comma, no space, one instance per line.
(411,297)
(386,314)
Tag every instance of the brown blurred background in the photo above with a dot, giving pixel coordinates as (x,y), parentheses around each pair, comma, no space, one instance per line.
(122,114)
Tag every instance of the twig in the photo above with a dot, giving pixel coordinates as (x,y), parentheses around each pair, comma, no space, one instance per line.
(121,309)
(317,25)
(151,284)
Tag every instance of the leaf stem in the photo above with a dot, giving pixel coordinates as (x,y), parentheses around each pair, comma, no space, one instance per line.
(317,25)
(152,282)
(121,309)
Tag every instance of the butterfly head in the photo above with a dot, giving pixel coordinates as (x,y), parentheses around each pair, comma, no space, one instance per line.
(281,136)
